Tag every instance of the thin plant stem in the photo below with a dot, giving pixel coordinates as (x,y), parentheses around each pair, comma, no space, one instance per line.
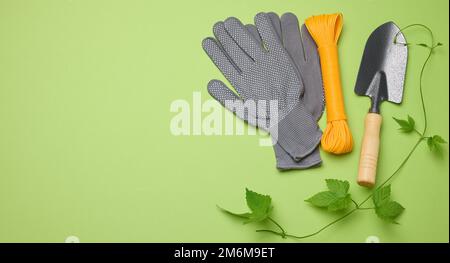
(366,208)
(356,204)
(278,225)
(431,47)
(310,235)
(418,133)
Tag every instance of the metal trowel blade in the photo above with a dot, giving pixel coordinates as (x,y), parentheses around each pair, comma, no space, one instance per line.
(382,72)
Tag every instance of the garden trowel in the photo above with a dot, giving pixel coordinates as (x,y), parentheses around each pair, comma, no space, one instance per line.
(381,77)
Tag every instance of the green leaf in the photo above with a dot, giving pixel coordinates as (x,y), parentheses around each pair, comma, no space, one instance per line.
(254,218)
(400,122)
(338,187)
(389,211)
(385,208)
(411,122)
(243,215)
(438,139)
(430,143)
(260,207)
(435,142)
(337,198)
(381,195)
(340,203)
(322,199)
(406,126)
(423,45)
(257,203)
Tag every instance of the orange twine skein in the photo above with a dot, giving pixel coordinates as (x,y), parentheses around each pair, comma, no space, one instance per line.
(325,30)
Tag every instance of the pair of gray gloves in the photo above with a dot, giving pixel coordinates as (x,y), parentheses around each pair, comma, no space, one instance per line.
(272,60)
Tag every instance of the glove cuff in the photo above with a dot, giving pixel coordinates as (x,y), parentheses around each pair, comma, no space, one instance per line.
(286,163)
(298,133)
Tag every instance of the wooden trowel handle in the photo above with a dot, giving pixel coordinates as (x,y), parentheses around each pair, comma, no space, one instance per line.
(369,150)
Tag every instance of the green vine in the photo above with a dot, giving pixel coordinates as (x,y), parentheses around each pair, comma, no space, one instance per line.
(337,196)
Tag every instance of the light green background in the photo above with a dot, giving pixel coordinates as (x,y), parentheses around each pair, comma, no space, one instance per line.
(85,145)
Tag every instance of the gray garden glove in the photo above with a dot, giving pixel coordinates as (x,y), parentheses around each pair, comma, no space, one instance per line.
(303,50)
(262,73)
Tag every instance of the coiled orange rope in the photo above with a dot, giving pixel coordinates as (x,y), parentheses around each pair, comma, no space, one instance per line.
(325,30)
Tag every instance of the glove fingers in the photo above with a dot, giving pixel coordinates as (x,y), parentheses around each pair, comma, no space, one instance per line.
(238,56)
(309,45)
(254,32)
(291,37)
(314,95)
(276,23)
(243,38)
(220,92)
(267,33)
(222,61)
(232,102)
